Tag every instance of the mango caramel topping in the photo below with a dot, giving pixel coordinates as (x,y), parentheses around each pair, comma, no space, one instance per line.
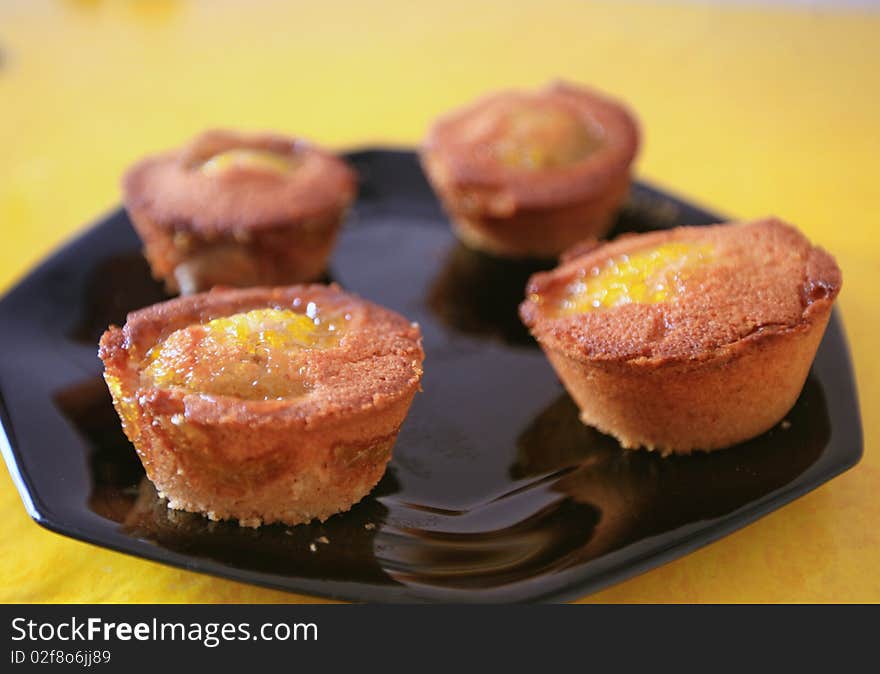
(245,158)
(536,138)
(644,277)
(251,355)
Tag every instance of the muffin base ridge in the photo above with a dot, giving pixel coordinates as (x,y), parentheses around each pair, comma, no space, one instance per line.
(707,404)
(540,234)
(188,263)
(294,482)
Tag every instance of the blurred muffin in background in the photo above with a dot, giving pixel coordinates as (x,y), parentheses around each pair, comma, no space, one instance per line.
(238,210)
(528,174)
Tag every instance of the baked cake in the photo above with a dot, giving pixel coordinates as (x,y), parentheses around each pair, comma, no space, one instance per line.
(264,404)
(239,210)
(528,174)
(689,338)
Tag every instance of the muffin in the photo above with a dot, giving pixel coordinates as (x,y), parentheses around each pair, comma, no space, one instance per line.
(528,174)
(689,338)
(239,210)
(265,404)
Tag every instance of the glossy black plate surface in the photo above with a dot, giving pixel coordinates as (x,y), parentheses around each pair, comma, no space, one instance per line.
(496,491)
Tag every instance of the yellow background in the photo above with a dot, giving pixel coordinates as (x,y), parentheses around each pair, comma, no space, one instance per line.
(749,111)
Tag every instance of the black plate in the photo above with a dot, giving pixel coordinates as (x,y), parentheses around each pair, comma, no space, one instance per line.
(496,491)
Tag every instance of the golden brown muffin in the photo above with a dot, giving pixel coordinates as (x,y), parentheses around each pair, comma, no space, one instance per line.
(265,404)
(239,210)
(684,339)
(528,174)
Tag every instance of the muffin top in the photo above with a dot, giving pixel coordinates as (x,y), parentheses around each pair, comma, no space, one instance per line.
(300,353)
(224,181)
(681,293)
(530,149)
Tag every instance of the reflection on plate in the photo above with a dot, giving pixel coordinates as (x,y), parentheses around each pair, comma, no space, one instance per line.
(573,495)
(477,294)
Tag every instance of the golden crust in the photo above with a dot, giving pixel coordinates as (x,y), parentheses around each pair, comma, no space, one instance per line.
(289,460)
(765,271)
(721,363)
(517,213)
(242,226)
(168,190)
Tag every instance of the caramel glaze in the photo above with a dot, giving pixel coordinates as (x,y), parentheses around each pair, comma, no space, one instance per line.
(764,279)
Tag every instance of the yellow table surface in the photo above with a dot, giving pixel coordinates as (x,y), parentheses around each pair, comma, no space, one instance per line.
(749,111)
